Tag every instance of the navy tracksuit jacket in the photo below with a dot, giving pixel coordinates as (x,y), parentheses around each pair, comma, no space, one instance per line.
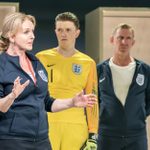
(128,120)
(26,118)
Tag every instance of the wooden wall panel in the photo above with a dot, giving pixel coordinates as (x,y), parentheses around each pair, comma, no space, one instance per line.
(6,8)
(101,22)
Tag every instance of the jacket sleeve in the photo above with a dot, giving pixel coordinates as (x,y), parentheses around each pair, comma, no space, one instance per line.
(147,97)
(1,95)
(92,112)
(48,102)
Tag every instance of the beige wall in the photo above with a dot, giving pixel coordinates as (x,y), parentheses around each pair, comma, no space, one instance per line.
(6,8)
(101,22)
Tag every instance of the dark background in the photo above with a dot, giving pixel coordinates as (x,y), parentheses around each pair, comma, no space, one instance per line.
(46,10)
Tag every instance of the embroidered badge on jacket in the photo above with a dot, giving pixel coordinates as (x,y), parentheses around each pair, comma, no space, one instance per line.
(140,79)
(42,75)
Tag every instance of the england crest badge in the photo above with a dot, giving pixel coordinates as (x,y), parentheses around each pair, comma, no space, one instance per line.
(76,68)
(43,75)
(140,79)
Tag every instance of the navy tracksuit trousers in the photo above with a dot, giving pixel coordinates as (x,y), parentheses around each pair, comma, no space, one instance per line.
(122,143)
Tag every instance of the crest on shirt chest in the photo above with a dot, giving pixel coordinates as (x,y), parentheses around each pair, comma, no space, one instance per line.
(43,75)
(140,79)
(76,68)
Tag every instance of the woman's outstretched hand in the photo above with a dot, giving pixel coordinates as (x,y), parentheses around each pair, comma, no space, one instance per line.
(8,100)
(18,87)
(81,100)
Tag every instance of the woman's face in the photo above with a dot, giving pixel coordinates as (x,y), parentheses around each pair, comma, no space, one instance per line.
(23,39)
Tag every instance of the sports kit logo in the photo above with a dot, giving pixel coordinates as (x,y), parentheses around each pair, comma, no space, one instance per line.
(101,80)
(76,68)
(43,75)
(51,65)
(140,79)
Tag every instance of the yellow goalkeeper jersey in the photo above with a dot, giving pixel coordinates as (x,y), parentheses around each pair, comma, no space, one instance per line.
(67,77)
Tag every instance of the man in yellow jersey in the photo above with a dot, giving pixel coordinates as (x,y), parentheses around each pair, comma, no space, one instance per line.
(70,72)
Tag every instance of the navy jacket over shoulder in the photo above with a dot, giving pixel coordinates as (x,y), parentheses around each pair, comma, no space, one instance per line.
(27,117)
(127,120)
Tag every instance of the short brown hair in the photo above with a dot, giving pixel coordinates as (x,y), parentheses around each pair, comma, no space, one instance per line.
(68,16)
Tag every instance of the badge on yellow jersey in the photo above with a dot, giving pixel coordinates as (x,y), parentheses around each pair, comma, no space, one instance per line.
(76,68)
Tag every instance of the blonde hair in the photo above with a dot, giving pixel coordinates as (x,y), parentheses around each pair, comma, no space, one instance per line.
(123,26)
(10,25)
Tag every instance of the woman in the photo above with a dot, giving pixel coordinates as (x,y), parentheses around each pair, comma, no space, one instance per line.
(24,95)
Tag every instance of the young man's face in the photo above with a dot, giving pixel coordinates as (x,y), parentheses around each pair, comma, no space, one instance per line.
(66,33)
(123,40)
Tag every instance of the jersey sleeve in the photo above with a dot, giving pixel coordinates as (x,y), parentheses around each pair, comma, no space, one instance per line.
(92,112)
(41,58)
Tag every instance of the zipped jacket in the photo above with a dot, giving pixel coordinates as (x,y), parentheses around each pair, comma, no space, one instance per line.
(127,120)
(27,117)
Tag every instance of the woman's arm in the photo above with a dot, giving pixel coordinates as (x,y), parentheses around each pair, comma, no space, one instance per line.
(80,100)
(8,100)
